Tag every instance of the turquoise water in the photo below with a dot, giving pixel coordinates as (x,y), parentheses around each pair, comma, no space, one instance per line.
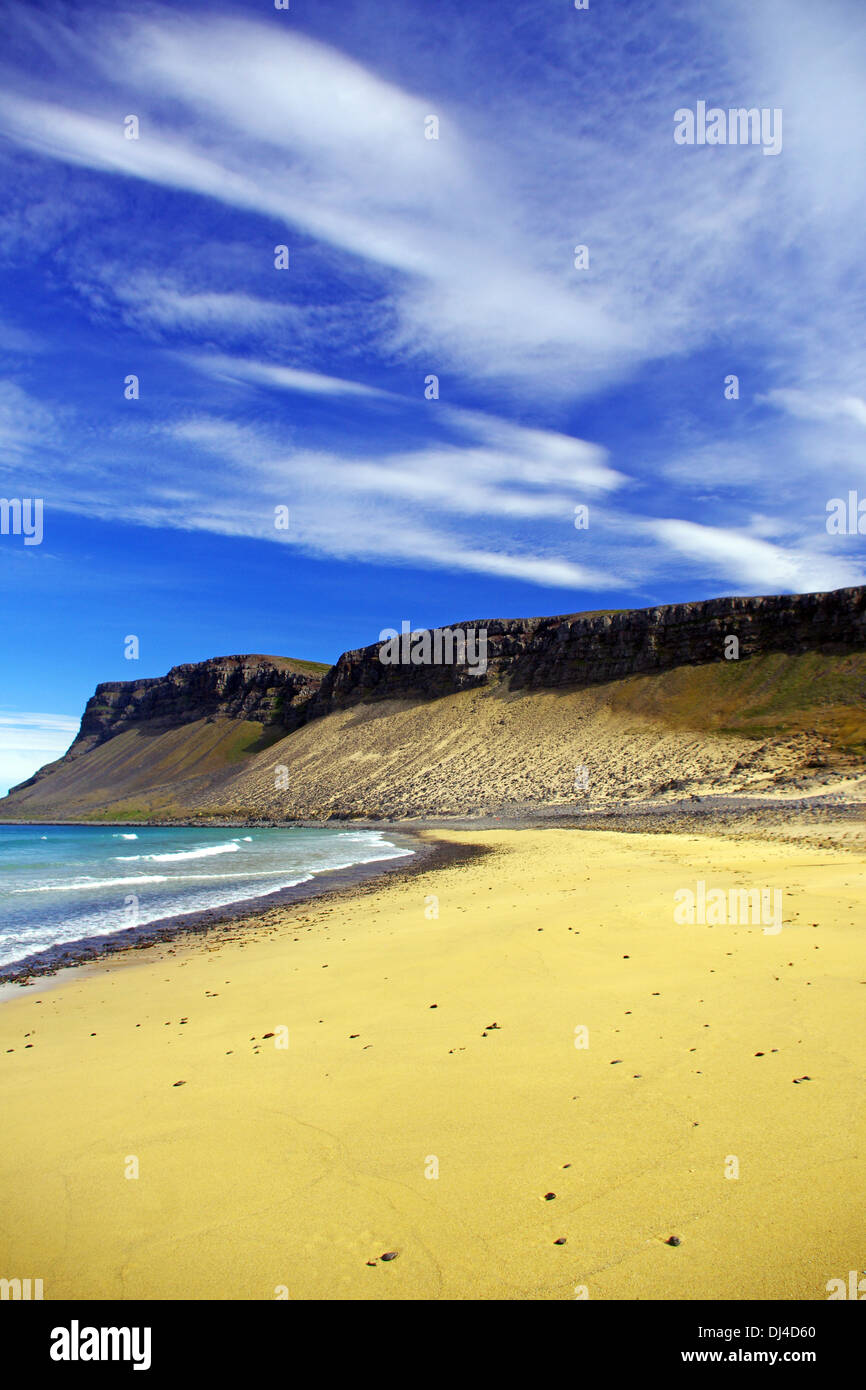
(60,883)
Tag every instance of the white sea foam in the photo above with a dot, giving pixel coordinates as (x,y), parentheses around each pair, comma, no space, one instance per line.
(79,886)
(167,883)
(230,848)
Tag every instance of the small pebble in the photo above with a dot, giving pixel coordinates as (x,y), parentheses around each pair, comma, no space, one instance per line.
(561,1241)
(178,1083)
(549,1196)
(673,1240)
(390,1255)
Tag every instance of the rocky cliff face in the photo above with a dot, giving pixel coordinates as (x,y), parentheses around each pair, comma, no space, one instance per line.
(575,650)
(532,654)
(265,689)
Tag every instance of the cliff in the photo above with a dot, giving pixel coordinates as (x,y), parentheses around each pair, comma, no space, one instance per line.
(578,650)
(647,699)
(265,690)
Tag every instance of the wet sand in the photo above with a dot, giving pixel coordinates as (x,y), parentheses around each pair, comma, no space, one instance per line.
(390,1125)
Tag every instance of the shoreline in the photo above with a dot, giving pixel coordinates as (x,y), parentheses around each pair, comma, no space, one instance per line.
(841,797)
(808,817)
(578,1069)
(331,883)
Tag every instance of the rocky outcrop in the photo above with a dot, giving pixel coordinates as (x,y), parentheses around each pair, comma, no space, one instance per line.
(580,650)
(521,655)
(264,689)
(260,688)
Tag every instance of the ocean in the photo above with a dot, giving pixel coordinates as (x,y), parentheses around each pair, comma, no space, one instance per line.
(59,883)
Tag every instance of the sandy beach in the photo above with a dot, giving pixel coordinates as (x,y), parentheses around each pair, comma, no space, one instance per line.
(431,1099)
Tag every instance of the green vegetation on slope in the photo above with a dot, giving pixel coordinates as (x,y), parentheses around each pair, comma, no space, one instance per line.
(304,668)
(775,694)
(526,744)
(145,772)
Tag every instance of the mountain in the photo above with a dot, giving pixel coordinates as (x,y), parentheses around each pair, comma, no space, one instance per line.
(259,690)
(651,702)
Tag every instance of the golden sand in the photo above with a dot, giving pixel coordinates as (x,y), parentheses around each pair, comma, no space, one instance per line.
(292,1167)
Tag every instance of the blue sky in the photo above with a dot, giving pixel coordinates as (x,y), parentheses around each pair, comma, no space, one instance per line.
(409,257)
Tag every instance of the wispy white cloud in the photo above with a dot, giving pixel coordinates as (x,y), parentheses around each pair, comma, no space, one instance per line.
(465,246)
(28,741)
(341,154)
(163,303)
(681,247)
(31,728)
(810,405)
(759,564)
(285,378)
(26,425)
(368,507)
